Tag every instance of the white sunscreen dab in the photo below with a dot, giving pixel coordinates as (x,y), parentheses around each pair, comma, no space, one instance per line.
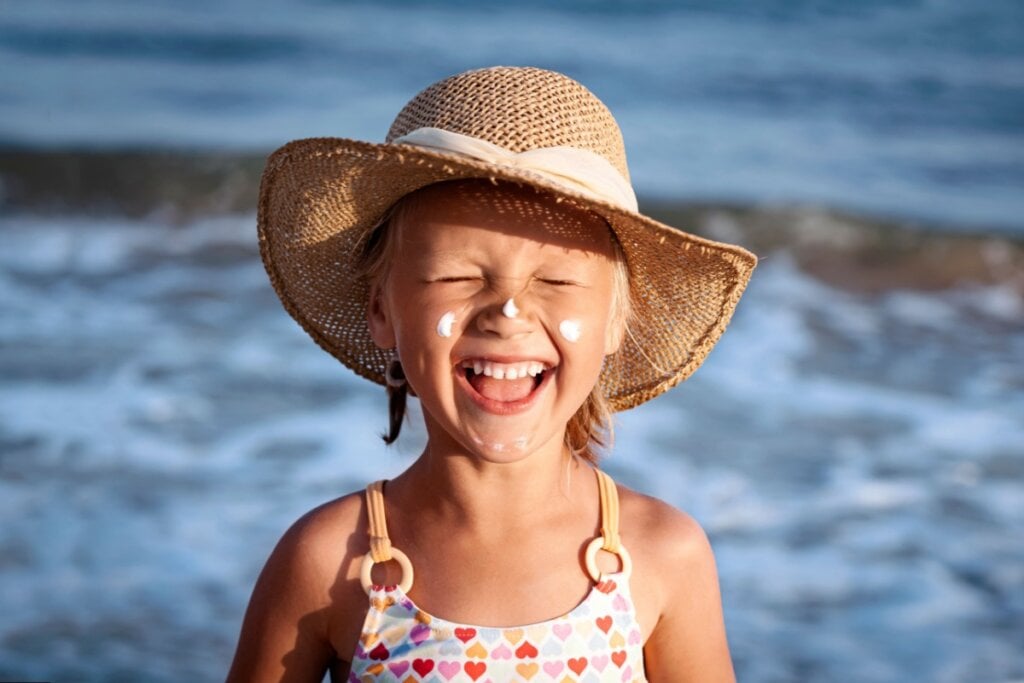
(570,329)
(444,325)
(509,309)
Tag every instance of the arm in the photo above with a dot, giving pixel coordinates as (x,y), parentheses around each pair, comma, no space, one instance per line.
(688,643)
(284,634)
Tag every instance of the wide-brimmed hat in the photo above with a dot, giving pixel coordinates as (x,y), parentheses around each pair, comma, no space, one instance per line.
(320,198)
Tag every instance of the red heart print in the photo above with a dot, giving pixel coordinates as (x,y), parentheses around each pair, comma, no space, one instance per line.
(475,669)
(526,650)
(604,623)
(578,665)
(619,658)
(380,652)
(606,586)
(423,666)
(465,634)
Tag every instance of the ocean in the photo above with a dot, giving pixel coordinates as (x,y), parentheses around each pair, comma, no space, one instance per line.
(913,109)
(853,445)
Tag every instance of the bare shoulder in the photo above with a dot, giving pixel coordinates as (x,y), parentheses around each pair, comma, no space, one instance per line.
(314,551)
(667,537)
(325,547)
(307,597)
(327,534)
(680,601)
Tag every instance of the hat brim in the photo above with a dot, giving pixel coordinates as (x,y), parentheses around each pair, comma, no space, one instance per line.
(320,198)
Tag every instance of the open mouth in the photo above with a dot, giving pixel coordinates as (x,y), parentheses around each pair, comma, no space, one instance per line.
(503,386)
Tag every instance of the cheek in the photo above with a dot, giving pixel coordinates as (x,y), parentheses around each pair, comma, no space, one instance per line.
(427,336)
(424,317)
(579,321)
(579,333)
(444,324)
(571,329)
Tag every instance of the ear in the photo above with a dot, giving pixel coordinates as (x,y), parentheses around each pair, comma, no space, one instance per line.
(378,318)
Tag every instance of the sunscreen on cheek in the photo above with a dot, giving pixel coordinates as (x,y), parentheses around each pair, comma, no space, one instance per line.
(570,330)
(444,324)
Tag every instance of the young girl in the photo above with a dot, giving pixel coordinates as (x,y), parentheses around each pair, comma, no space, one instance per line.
(489,259)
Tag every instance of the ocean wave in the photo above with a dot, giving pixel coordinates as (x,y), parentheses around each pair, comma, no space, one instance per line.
(854,251)
(854,456)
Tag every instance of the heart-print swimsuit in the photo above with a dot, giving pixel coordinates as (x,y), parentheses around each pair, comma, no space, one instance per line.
(598,640)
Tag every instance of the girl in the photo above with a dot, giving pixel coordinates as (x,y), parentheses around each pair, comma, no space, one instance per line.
(489,259)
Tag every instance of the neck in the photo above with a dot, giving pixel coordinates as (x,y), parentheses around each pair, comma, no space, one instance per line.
(449,481)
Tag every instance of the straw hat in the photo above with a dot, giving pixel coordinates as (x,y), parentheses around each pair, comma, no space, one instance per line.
(321,197)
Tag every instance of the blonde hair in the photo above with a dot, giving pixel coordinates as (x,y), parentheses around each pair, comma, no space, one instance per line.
(591,426)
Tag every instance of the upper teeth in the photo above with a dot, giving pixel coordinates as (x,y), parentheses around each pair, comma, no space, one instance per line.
(505,370)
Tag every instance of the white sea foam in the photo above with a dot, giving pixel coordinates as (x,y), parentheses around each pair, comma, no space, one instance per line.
(857,466)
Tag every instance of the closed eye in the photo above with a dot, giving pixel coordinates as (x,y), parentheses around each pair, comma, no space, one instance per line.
(456,278)
(560,283)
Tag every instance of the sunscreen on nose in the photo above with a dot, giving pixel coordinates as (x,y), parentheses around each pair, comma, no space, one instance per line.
(509,309)
(444,324)
(570,330)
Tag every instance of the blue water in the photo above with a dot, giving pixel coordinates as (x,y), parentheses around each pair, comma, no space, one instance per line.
(855,457)
(912,109)
(856,461)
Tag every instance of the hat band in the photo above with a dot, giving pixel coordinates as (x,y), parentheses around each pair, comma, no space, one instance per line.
(576,169)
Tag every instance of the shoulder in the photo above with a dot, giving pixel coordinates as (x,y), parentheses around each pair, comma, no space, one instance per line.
(307,596)
(324,534)
(317,556)
(674,563)
(667,537)
(317,559)
(314,547)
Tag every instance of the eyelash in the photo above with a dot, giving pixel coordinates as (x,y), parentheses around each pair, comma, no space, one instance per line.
(456,279)
(556,283)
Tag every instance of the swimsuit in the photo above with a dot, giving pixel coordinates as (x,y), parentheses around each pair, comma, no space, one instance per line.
(598,640)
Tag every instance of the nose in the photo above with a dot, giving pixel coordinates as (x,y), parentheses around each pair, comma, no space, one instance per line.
(507,315)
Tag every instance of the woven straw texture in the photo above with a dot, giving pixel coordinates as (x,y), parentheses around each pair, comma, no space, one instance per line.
(321,197)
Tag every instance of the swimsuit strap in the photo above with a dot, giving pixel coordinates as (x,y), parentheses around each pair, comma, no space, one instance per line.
(380,544)
(609,539)
(381,549)
(609,512)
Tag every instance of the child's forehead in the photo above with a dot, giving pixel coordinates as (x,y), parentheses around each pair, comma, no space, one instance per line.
(481,212)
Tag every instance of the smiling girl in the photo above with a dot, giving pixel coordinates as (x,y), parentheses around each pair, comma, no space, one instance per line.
(489,260)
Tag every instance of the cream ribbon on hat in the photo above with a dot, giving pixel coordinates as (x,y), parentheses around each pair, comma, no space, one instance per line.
(577,169)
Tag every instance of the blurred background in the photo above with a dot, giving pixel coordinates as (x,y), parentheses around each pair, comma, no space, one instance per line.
(854,446)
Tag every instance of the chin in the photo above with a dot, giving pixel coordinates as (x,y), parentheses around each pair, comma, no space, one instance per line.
(502,446)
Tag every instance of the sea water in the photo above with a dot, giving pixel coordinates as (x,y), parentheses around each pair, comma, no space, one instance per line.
(902,108)
(856,460)
(856,457)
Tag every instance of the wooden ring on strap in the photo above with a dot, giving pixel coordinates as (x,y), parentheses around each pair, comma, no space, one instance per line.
(398,556)
(591,559)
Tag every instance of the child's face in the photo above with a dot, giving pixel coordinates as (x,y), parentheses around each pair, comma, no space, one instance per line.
(462,251)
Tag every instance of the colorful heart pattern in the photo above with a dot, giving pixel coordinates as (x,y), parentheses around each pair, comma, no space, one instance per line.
(597,641)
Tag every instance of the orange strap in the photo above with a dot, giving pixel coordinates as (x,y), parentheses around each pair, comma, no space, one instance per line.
(609,512)
(380,544)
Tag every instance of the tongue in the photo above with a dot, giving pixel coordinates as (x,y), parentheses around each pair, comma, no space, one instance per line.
(502,389)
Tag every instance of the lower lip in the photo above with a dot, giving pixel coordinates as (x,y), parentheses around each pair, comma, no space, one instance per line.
(502,407)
